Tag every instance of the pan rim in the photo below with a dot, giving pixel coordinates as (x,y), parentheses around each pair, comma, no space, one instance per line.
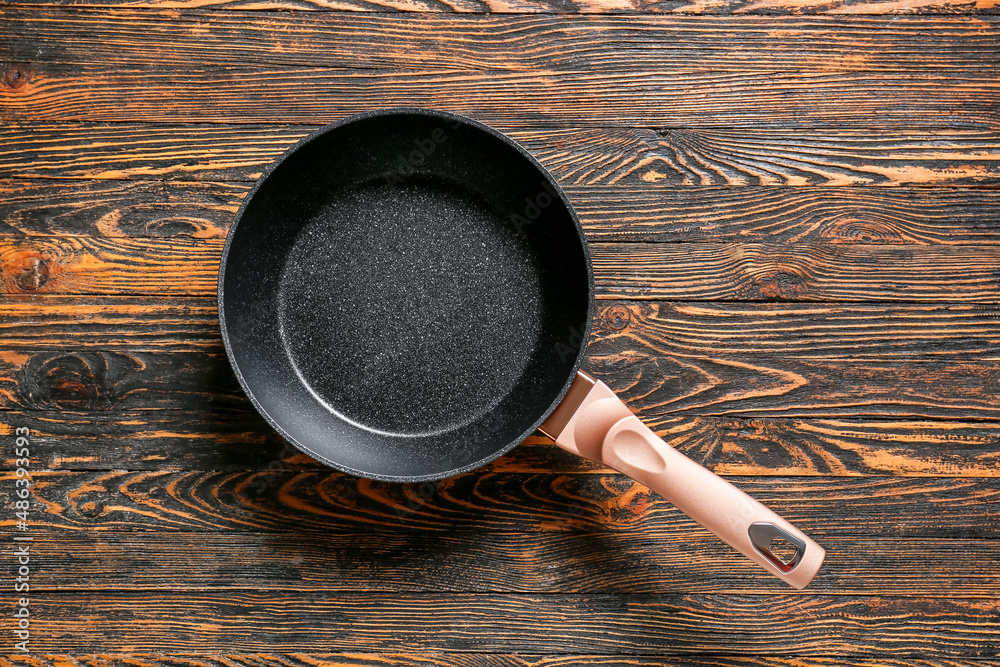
(406,111)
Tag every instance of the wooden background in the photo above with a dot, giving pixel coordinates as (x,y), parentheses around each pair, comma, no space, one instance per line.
(793,210)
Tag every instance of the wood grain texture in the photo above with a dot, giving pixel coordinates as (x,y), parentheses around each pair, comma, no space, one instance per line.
(325,501)
(661,624)
(452,659)
(682,156)
(617,213)
(654,159)
(239,439)
(126,324)
(722,7)
(643,97)
(796,331)
(621,562)
(820,272)
(796,272)
(801,331)
(139,151)
(660,382)
(118,208)
(894,215)
(75,265)
(93,380)
(501,42)
(753,387)
(666,360)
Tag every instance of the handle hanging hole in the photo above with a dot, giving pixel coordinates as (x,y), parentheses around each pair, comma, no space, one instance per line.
(783,550)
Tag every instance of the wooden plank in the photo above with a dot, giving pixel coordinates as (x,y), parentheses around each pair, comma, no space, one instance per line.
(621,562)
(142,151)
(328,501)
(752,272)
(801,331)
(796,272)
(206,439)
(660,377)
(663,366)
(77,265)
(665,358)
(819,272)
(437,659)
(897,215)
(754,387)
(97,380)
(46,207)
(718,330)
(500,42)
(943,98)
(723,7)
(179,324)
(239,439)
(644,157)
(653,624)
(621,213)
(682,156)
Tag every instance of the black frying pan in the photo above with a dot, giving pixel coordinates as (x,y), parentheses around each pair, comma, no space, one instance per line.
(406,295)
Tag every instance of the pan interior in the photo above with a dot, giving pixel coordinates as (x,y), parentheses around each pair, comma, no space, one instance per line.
(421,294)
(404,295)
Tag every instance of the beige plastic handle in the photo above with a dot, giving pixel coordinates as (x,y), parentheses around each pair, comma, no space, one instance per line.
(594,423)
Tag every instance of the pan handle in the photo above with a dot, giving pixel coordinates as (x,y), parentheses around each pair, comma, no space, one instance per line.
(594,423)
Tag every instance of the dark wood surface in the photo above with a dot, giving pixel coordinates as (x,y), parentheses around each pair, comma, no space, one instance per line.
(793,211)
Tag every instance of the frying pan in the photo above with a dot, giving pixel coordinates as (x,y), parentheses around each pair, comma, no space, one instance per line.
(407,294)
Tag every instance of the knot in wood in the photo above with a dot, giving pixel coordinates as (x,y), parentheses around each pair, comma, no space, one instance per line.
(91,510)
(852,230)
(16,75)
(30,272)
(65,381)
(779,285)
(617,317)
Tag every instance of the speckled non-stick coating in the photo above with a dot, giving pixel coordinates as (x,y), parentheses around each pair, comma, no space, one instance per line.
(404,294)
